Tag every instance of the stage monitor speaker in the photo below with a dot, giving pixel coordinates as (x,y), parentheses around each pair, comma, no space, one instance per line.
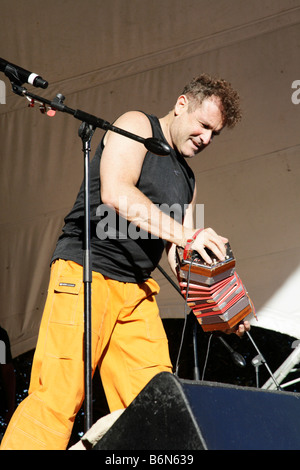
(175,414)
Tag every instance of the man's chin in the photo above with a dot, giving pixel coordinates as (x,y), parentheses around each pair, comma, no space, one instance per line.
(194,153)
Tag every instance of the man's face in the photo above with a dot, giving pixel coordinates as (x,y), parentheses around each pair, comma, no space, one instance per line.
(193,128)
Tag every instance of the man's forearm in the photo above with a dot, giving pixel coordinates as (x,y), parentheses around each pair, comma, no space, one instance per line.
(134,206)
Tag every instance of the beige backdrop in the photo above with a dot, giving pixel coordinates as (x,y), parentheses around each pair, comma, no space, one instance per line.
(109,56)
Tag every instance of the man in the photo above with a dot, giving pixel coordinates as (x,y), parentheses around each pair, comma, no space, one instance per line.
(128,340)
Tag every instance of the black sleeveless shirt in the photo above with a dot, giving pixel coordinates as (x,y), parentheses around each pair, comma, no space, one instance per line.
(119,249)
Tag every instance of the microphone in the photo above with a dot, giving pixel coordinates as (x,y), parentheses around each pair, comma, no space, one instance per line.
(19,76)
(235,356)
(157,146)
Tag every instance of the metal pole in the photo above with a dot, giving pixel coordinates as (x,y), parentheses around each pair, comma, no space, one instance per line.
(85,132)
(284,369)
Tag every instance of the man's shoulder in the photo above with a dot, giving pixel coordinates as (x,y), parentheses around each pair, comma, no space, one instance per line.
(135,121)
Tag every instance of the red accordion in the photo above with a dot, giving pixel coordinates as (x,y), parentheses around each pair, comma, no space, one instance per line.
(216,294)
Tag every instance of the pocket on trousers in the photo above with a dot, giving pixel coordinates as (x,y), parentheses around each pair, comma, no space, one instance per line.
(155,329)
(68,300)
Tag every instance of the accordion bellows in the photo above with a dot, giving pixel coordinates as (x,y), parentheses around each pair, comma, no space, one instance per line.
(215,293)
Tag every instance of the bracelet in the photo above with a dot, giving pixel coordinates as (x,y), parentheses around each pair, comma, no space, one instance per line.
(189,243)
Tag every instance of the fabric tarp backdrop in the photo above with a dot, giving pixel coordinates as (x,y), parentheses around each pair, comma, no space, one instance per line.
(110,56)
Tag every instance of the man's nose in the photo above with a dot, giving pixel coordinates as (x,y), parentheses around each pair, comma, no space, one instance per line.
(206,136)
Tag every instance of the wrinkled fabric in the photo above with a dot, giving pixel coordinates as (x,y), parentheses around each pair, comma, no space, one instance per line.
(129,345)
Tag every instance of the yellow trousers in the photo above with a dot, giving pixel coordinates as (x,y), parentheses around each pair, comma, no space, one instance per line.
(129,345)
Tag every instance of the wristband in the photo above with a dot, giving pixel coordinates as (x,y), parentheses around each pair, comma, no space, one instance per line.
(189,243)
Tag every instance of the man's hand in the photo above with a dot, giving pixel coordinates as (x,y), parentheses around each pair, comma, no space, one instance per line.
(208,238)
(239,329)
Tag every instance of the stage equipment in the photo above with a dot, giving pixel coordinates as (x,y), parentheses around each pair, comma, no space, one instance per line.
(214,292)
(286,367)
(177,415)
(17,77)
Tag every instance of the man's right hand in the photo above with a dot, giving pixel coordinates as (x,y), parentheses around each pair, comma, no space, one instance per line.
(208,238)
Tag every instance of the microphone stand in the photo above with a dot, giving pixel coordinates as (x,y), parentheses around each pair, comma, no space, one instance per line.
(86,131)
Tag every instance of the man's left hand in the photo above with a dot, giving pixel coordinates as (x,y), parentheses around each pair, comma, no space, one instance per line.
(240,329)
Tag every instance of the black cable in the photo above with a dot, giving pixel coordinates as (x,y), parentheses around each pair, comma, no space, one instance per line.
(206,358)
(185,320)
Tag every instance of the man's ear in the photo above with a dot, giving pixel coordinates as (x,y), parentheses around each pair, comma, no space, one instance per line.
(181,104)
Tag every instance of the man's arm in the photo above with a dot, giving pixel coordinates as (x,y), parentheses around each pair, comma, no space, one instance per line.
(207,238)
(188,222)
(120,168)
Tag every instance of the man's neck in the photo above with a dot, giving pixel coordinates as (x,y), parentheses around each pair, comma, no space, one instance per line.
(165,123)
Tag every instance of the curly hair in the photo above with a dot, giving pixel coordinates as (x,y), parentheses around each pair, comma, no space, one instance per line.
(205,86)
